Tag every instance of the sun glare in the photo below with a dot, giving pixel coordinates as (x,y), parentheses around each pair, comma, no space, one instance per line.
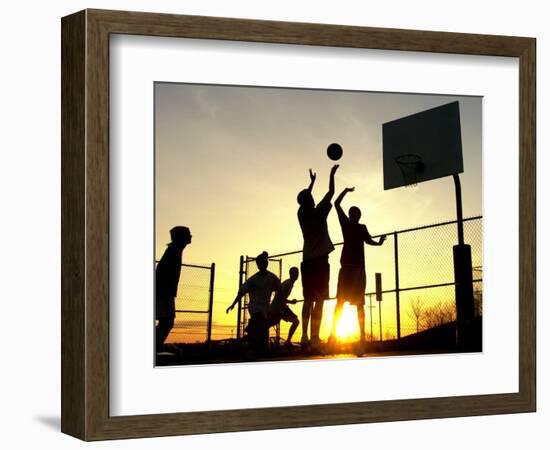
(347,328)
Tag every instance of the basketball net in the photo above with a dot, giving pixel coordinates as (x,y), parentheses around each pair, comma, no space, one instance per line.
(411,167)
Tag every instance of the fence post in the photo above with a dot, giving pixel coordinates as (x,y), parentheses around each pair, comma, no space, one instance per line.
(278,326)
(239,307)
(397,306)
(211,301)
(370,314)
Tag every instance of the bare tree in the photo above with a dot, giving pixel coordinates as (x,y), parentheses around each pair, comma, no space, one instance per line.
(439,314)
(416,312)
(478,302)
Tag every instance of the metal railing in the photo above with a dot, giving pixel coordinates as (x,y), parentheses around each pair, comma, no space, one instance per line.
(417,269)
(194,304)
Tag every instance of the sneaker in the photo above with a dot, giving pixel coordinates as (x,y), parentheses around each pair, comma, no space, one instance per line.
(167,350)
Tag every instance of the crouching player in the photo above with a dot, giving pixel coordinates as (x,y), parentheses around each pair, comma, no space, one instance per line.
(279,309)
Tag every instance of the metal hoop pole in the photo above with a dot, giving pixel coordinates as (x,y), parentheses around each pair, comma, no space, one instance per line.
(459,219)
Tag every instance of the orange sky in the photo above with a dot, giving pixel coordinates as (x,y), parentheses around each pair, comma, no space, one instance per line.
(230,161)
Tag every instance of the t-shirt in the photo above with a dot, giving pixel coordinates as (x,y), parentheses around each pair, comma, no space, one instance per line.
(279,301)
(355,234)
(313,222)
(259,288)
(167,274)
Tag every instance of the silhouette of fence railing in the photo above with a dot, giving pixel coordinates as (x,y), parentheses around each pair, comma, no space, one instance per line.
(194,304)
(418,287)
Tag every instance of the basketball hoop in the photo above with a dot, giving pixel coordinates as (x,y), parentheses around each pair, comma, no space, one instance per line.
(411,167)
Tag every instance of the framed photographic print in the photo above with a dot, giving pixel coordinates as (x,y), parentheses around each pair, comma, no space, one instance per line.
(271,224)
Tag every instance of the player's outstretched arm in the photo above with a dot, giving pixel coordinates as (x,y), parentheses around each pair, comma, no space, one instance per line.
(370,241)
(331,181)
(342,217)
(328,196)
(339,199)
(312,177)
(237,300)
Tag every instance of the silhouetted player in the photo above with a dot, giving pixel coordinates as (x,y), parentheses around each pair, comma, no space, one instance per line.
(259,288)
(315,268)
(166,283)
(279,310)
(352,278)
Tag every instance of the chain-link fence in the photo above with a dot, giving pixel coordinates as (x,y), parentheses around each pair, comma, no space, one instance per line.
(418,286)
(194,303)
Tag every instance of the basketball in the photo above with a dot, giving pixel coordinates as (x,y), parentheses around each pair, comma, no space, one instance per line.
(334,151)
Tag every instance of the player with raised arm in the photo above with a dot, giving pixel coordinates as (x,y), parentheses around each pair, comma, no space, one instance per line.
(352,277)
(315,267)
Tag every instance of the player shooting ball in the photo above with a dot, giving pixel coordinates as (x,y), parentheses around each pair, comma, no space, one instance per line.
(315,267)
(352,279)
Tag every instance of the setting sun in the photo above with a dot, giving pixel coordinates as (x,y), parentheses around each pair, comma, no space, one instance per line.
(347,329)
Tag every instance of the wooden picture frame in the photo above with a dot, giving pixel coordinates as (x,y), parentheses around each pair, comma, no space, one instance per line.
(85,224)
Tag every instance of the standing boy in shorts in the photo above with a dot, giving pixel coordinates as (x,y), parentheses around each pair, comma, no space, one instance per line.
(352,278)
(315,268)
(259,288)
(279,310)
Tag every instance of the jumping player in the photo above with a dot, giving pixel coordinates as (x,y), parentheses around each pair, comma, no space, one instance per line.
(315,268)
(352,278)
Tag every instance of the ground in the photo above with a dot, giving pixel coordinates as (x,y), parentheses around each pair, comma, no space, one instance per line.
(441,339)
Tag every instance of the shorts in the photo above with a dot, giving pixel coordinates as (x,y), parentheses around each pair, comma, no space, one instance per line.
(165,308)
(352,282)
(285,313)
(315,278)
